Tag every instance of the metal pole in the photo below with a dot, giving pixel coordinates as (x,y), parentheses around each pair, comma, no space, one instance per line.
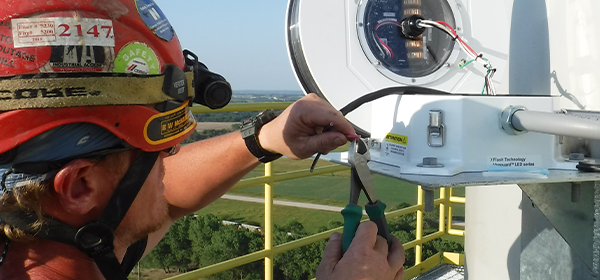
(269,222)
(442,221)
(419,229)
(567,125)
(449,226)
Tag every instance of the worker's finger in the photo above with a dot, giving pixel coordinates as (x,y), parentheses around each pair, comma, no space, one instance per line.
(365,237)
(396,256)
(381,246)
(400,274)
(325,142)
(321,113)
(332,254)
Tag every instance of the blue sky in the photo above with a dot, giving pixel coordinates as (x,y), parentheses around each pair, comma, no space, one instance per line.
(242,40)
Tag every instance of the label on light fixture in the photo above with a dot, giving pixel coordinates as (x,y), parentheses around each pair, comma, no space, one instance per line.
(395,145)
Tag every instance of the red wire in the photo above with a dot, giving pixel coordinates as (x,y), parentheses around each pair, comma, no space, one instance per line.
(458,38)
(385,46)
(447,25)
(381,41)
(386,21)
(487,81)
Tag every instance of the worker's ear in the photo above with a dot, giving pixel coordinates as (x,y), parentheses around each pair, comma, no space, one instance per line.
(78,187)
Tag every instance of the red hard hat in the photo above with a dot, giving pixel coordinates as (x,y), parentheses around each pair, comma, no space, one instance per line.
(105,62)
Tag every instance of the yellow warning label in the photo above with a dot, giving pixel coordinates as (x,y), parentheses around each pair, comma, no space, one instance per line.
(170,125)
(397,138)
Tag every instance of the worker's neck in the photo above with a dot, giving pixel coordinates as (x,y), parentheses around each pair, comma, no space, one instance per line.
(43,259)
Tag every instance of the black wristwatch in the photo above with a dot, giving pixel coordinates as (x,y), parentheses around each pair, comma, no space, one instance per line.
(250,129)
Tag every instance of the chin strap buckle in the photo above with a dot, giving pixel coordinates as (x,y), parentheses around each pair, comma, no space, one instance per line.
(95,239)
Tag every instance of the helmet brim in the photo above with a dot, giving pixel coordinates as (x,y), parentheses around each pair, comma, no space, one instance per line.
(140,126)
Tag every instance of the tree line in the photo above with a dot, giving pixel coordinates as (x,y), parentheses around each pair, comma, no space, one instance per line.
(229,116)
(220,117)
(226,117)
(194,242)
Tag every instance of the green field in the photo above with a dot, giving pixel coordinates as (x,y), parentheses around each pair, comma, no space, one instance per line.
(333,189)
(254,214)
(328,189)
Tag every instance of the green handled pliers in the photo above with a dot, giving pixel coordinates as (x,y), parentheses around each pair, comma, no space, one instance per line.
(358,157)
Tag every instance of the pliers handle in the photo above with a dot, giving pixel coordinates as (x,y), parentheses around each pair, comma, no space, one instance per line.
(360,179)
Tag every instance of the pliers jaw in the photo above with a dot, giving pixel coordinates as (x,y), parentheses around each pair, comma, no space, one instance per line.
(358,157)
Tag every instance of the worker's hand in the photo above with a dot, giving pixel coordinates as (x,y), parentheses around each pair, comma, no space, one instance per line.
(296,133)
(367,257)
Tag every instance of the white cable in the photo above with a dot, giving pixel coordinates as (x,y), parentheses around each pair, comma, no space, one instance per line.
(489,84)
(384,51)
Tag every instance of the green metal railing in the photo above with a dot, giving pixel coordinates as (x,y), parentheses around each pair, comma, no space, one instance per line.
(445,201)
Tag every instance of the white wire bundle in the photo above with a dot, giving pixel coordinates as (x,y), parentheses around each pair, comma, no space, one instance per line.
(386,49)
(489,84)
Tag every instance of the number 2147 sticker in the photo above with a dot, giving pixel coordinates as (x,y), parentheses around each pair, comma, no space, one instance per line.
(62,31)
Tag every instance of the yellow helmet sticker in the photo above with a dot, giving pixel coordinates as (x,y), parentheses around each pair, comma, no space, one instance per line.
(170,125)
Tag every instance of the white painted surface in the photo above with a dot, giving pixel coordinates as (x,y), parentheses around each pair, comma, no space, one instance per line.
(493,228)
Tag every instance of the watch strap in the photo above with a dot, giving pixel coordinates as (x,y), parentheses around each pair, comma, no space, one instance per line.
(250,130)
(261,154)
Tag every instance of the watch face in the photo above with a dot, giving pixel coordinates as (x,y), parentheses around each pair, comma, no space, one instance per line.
(410,58)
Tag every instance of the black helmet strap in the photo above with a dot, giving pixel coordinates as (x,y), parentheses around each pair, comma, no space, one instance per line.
(95,239)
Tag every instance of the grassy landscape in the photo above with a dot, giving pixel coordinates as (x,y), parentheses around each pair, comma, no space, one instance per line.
(328,189)
(333,189)
(254,214)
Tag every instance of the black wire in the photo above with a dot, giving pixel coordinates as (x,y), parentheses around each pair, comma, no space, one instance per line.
(588,166)
(376,95)
(385,92)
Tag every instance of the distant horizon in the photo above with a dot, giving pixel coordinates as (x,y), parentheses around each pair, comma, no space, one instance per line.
(253,91)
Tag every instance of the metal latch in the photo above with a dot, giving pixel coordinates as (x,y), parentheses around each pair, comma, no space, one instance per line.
(435,130)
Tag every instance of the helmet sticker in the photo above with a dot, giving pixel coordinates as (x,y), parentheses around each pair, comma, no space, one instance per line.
(18,60)
(80,59)
(137,58)
(155,19)
(62,31)
(170,125)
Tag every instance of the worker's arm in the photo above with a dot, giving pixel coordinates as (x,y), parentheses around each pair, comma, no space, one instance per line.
(203,171)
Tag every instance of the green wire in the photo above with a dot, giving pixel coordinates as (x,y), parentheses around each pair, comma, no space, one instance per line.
(465,64)
(483,89)
(489,69)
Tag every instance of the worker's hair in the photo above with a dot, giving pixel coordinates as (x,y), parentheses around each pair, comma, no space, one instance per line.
(26,198)
(29,198)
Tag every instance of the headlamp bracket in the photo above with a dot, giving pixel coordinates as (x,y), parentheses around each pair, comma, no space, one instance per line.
(210,89)
(175,83)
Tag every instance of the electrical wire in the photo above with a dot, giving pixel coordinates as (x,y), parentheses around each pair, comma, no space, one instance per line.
(488,86)
(374,96)
(587,166)
(388,51)
(385,92)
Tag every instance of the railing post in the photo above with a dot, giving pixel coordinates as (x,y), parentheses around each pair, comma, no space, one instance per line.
(449,227)
(443,206)
(269,222)
(419,229)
